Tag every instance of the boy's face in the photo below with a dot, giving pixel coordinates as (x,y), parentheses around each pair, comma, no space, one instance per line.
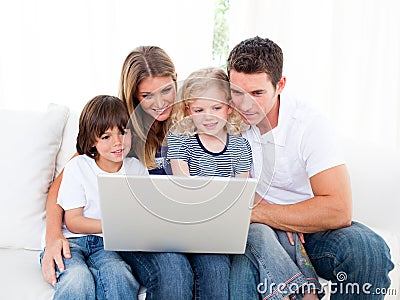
(113,146)
(254,96)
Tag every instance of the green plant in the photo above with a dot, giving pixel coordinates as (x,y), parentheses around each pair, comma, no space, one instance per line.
(220,45)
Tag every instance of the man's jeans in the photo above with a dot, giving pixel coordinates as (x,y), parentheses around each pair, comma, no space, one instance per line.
(355,256)
(94,273)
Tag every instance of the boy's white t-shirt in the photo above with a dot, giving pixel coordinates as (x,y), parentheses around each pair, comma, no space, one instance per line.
(284,159)
(79,186)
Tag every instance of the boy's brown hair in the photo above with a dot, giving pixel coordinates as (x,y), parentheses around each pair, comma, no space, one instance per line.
(98,115)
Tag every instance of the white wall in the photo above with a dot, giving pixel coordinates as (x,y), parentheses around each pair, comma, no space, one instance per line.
(341,56)
(69,51)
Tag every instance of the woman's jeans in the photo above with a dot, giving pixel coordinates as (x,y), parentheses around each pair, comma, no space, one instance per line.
(355,259)
(178,276)
(94,273)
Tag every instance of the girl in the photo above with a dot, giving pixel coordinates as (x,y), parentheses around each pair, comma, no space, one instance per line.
(205,137)
(206,141)
(103,142)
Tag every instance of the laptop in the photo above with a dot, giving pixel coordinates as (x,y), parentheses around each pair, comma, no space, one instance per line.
(161,213)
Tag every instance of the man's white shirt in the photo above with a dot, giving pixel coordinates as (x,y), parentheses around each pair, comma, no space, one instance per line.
(285,158)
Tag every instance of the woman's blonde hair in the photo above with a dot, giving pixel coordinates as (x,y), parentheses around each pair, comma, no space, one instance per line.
(148,135)
(194,87)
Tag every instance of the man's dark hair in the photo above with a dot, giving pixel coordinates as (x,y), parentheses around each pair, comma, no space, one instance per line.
(257,55)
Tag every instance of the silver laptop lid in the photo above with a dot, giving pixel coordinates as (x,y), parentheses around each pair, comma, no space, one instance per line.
(175,214)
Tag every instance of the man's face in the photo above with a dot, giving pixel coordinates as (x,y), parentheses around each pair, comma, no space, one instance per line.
(254,96)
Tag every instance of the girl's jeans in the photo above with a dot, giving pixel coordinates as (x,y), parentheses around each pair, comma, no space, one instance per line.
(179,276)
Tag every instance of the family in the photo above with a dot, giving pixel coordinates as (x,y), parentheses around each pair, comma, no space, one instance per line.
(237,123)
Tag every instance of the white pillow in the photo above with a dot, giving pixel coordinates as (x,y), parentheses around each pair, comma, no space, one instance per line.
(30,143)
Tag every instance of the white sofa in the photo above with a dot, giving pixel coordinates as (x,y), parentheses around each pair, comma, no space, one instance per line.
(37,144)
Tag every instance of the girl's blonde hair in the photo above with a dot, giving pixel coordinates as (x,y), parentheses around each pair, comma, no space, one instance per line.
(194,87)
(144,62)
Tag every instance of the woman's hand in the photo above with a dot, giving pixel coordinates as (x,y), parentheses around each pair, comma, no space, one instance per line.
(53,255)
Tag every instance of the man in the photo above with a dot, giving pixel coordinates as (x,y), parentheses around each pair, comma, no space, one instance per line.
(303,188)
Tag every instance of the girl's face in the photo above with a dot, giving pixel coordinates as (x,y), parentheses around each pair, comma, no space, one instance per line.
(210,112)
(112,146)
(156,96)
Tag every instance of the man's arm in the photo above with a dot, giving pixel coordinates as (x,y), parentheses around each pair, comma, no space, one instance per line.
(330,208)
(56,244)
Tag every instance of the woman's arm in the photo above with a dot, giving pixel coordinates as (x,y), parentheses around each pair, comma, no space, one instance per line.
(78,223)
(56,244)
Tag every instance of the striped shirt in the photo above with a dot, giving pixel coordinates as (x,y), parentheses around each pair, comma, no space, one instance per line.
(235,158)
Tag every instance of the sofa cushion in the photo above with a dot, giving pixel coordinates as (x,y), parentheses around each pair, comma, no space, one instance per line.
(31,141)
(21,276)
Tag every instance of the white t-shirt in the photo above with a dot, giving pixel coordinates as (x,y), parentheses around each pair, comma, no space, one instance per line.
(284,159)
(79,186)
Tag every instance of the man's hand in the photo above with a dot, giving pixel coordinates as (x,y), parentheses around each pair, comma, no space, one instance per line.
(258,209)
(52,256)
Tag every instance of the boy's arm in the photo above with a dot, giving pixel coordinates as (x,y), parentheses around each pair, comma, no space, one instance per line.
(330,208)
(77,223)
(56,244)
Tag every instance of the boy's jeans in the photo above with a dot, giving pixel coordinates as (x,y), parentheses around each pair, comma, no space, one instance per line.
(94,273)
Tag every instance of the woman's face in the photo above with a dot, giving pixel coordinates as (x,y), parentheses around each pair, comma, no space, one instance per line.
(156,96)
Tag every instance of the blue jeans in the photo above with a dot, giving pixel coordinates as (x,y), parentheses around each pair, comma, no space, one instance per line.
(211,272)
(269,271)
(94,273)
(354,255)
(355,259)
(165,275)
